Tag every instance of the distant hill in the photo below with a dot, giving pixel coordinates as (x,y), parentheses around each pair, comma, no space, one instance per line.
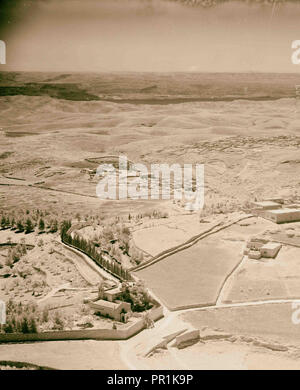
(150,88)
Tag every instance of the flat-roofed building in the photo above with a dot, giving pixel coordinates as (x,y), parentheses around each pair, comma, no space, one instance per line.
(266,205)
(119,311)
(112,294)
(283,215)
(254,254)
(259,247)
(256,243)
(270,249)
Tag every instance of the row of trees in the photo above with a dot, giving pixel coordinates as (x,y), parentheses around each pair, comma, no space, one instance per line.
(90,249)
(20,225)
(28,225)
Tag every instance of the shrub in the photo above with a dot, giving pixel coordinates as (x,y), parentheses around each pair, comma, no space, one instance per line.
(28,226)
(41,225)
(3,222)
(58,322)
(54,226)
(20,226)
(32,326)
(137,295)
(24,325)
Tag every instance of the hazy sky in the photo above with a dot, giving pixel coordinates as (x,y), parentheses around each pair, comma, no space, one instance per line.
(149,35)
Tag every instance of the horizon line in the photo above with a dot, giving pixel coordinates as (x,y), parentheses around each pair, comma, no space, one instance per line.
(147,71)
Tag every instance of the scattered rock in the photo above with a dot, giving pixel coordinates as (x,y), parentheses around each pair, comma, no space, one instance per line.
(210,334)
(273,347)
(188,338)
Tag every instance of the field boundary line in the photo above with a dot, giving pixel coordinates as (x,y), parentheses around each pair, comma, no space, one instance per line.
(231,274)
(190,242)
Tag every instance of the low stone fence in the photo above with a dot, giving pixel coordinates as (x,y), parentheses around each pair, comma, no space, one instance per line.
(168,252)
(85,334)
(28,246)
(191,241)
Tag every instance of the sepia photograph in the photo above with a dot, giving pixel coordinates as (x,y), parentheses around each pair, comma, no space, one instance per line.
(149,187)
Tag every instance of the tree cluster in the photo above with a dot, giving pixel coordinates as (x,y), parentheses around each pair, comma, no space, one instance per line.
(21,318)
(90,249)
(137,295)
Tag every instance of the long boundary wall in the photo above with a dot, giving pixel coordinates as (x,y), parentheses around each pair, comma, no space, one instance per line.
(86,334)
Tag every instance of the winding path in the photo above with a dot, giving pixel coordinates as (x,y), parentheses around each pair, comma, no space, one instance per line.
(53,292)
(88,262)
(8,182)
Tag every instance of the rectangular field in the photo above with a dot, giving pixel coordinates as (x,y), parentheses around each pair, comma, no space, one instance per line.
(268,321)
(267,279)
(192,277)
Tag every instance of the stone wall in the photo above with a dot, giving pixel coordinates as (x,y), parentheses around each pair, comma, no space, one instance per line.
(85,334)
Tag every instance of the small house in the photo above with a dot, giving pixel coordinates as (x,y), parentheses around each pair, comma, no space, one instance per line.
(112,294)
(118,311)
(270,249)
(260,247)
(256,243)
(283,215)
(253,254)
(276,200)
(266,205)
